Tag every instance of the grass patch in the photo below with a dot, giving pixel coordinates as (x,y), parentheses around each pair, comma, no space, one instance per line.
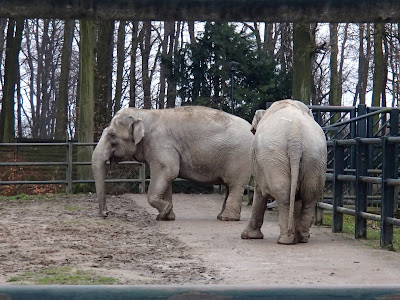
(27,198)
(62,275)
(373,230)
(74,208)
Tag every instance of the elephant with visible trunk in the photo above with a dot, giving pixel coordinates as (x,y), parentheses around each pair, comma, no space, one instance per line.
(194,143)
(289,164)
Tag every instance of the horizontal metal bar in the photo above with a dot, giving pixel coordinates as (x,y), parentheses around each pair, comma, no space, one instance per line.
(393,139)
(346,211)
(31,144)
(370,216)
(348,142)
(347,178)
(33,182)
(325,205)
(352,212)
(393,182)
(371,141)
(368,179)
(24,163)
(329,176)
(393,221)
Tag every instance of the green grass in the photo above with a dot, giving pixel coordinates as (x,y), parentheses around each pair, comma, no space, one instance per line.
(74,208)
(62,275)
(373,231)
(27,198)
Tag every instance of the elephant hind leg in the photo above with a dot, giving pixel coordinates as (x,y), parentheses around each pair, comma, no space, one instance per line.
(224,204)
(286,236)
(232,204)
(306,220)
(253,229)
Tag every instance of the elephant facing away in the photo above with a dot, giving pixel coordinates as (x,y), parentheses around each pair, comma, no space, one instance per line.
(289,164)
(192,142)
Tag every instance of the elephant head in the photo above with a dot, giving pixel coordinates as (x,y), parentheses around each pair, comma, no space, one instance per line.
(256,119)
(120,141)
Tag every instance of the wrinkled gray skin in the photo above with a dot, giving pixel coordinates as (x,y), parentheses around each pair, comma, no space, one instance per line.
(289,164)
(194,143)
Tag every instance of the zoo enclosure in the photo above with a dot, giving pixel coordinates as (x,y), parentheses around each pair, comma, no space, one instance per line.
(362,166)
(362,154)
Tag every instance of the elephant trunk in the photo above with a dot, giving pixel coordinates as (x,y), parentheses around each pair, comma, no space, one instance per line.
(101,155)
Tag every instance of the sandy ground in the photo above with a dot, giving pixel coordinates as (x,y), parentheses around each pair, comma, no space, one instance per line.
(196,248)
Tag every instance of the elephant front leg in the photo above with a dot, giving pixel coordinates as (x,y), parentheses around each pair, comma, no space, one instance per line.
(168,198)
(253,229)
(158,188)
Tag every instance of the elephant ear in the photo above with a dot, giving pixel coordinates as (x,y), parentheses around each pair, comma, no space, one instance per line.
(138,131)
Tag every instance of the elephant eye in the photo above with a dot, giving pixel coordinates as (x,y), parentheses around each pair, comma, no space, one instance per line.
(113,137)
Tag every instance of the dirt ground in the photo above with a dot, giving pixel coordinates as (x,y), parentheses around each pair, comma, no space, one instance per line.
(196,248)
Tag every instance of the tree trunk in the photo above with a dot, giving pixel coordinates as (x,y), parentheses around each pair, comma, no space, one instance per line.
(133,81)
(334,83)
(302,53)
(378,64)
(86,94)
(163,67)
(120,65)
(378,77)
(14,38)
(342,57)
(62,97)
(145,50)
(103,73)
(171,89)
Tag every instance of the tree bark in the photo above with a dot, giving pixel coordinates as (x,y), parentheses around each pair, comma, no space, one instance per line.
(133,81)
(302,53)
(86,101)
(120,65)
(145,50)
(378,64)
(334,83)
(14,38)
(62,97)
(103,74)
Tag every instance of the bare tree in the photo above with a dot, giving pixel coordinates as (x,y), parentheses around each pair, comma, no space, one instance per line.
(120,65)
(62,97)
(14,37)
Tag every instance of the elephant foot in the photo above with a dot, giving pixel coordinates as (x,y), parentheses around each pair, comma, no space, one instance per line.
(252,234)
(303,238)
(287,239)
(228,216)
(167,214)
(104,213)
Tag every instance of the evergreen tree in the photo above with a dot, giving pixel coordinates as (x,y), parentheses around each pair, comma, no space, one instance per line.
(222,56)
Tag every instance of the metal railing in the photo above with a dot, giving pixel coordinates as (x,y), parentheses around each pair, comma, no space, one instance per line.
(359,172)
(68,163)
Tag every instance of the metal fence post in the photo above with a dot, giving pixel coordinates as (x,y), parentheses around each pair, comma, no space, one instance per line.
(338,169)
(69,168)
(389,170)
(142,176)
(361,189)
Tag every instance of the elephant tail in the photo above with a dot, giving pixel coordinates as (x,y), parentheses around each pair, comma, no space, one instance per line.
(294,152)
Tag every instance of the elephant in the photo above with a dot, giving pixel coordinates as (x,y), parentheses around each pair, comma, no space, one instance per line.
(191,142)
(289,164)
